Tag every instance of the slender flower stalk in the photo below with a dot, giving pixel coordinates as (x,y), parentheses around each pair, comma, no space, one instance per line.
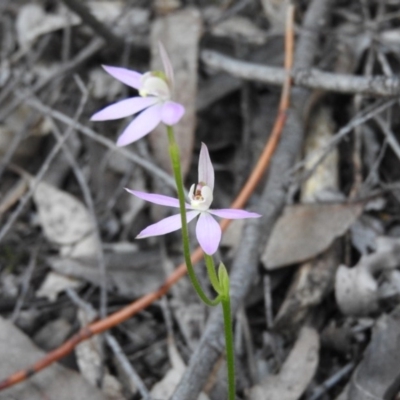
(211,273)
(223,278)
(230,352)
(220,283)
(176,166)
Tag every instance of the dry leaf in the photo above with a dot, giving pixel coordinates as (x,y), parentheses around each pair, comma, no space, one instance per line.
(130,274)
(55,382)
(242,28)
(189,313)
(5,71)
(275,11)
(18,122)
(104,86)
(233,235)
(303,231)
(13,195)
(54,284)
(65,221)
(312,282)
(9,285)
(344,394)
(295,374)
(390,289)
(129,206)
(191,318)
(112,388)
(314,279)
(53,334)
(33,21)
(364,233)
(391,37)
(377,376)
(56,176)
(356,289)
(166,6)
(166,387)
(134,204)
(90,360)
(121,19)
(180,34)
(325,176)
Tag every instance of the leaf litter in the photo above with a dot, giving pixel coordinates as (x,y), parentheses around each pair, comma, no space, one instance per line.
(332,261)
(56,382)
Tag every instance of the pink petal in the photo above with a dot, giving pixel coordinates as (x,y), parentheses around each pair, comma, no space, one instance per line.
(172,112)
(206,169)
(166,63)
(208,233)
(124,108)
(130,78)
(230,213)
(166,225)
(144,123)
(156,198)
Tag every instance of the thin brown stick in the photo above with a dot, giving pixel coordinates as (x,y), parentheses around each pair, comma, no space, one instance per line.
(146,300)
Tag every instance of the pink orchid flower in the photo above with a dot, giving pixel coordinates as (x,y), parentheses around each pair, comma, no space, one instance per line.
(208,231)
(155,90)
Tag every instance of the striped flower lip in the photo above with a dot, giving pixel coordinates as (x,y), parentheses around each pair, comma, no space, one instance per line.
(154,102)
(208,231)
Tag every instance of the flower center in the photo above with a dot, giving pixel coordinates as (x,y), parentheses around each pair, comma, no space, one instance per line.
(197,195)
(155,84)
(200,197)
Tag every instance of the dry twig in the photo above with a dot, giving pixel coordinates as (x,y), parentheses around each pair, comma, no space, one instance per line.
(92,48)
(310,78)
(88,18)
(45,166)
(130,155)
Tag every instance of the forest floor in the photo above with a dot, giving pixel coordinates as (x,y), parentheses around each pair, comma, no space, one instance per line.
(89,312)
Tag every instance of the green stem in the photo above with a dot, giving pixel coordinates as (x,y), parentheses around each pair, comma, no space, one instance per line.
(211,273)
(176,166)
(230,356)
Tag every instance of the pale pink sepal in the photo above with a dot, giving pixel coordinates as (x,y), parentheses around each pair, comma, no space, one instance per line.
(166,225)
(130,78)
(124,108)
(156,198)
(230,213)
(208,233)
(144,123)
(169,71)
(206,169)
(172,112)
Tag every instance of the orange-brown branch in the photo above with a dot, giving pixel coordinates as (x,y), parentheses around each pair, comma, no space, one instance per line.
(142,303)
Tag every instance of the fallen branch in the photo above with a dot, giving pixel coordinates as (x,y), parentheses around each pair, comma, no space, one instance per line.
(310,78)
